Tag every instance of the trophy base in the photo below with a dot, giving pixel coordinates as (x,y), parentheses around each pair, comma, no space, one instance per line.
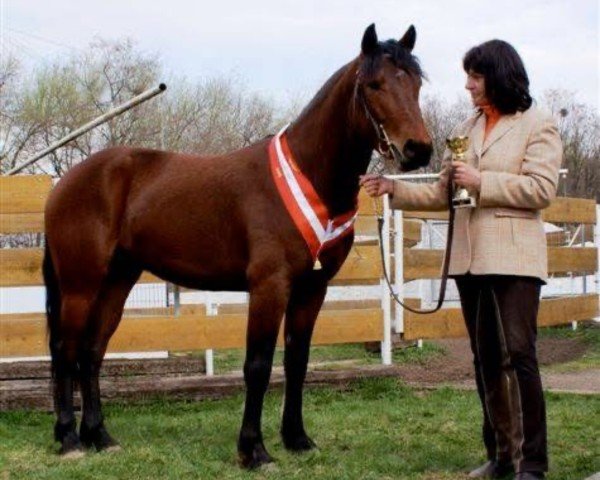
(468,202)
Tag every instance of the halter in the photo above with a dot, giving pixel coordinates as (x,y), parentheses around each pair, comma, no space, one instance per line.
(384,146)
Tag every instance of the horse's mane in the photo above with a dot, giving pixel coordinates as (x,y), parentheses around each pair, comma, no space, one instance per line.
(324,90)
(401,57)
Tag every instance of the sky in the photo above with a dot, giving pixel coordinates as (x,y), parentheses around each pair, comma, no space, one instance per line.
(287,49)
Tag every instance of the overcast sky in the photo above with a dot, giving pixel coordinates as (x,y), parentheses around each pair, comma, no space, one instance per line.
(289,48)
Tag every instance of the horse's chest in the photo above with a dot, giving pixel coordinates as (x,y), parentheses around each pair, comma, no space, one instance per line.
(333,257)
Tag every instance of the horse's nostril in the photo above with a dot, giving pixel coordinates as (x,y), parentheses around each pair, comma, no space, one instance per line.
(413,149)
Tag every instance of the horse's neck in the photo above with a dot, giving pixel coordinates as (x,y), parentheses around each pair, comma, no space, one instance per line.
(332,143)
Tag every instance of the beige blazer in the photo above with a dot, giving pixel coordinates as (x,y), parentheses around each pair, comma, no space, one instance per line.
(519,162)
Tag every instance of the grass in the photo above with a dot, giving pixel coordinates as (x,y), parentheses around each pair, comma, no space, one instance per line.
(588,333)
(379,429)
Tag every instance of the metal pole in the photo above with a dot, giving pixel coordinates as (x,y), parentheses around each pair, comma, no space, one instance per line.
(386,344)
(597,243)
(148,94)
(399,268)
(176,300)
(212,310)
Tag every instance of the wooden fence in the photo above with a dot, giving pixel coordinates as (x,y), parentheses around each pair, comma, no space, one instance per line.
(22,200)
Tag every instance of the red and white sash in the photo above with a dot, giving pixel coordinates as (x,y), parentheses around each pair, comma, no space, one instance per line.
(302,202)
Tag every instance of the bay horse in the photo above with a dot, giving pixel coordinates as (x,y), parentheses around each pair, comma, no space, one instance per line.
(224,223)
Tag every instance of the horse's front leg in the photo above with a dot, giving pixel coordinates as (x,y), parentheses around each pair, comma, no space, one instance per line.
(269,295)
(304,305)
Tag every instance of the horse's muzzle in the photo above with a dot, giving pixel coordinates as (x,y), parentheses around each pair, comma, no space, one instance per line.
(414,155)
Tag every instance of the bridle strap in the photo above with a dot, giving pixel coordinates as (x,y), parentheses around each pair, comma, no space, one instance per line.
(384,146)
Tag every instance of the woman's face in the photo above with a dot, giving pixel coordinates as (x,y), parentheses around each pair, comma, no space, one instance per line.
(476,87)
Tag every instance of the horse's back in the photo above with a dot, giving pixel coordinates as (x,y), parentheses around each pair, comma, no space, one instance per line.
(181,216)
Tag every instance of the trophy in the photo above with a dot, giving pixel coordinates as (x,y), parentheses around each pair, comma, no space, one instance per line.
(458,146)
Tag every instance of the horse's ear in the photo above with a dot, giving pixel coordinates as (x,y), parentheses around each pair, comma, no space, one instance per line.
(369,41)
(409,38)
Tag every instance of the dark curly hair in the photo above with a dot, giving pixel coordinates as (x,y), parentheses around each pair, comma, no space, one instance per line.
(506,80)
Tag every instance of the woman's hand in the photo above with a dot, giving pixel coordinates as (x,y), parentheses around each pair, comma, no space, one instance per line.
(376,185)
(466,176)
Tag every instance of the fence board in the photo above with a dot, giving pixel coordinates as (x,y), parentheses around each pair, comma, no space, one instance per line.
(425,263)
(570,210)
(227,308)
(572,259)
(367,226)
(367,205)
(561,310)
(20,267)
(24,193)
(562,210)
(449,323)
(422,263)
(363,266)
(21,223)
(23,267)
(27,335)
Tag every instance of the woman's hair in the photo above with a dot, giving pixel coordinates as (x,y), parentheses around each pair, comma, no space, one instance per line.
(506,81)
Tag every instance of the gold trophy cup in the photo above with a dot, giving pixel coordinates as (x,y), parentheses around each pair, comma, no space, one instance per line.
(458,146)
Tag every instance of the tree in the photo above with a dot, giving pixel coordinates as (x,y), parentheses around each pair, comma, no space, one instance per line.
(579,127)
(210,117)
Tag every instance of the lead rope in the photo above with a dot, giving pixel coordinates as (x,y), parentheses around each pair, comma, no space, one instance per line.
(380,220)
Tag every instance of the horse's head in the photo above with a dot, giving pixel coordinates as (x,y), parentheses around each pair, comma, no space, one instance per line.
(388,83)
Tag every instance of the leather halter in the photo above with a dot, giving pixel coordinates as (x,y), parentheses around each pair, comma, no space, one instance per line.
(384,146)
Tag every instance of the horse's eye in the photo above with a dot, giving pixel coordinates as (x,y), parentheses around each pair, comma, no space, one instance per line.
(374,85)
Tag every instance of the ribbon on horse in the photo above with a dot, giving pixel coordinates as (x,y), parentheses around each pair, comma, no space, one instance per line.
(309,213)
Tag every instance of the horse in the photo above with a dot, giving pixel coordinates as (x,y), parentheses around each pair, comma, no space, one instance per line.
(233,222)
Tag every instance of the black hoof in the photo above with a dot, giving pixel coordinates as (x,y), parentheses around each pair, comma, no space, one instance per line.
(254,458)
(298,443)
(97,437)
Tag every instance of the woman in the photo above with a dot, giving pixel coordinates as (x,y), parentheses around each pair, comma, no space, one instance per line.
(499,253)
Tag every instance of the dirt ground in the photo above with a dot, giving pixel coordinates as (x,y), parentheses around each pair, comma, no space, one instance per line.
(27,385)
(456,367)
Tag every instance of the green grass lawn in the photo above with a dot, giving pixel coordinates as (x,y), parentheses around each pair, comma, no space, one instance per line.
(378,429)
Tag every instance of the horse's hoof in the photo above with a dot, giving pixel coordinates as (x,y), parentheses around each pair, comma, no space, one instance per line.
(299,443)
(256,458)
(71,446)
(72,454)
(113,448)
(98,437)
(107,444)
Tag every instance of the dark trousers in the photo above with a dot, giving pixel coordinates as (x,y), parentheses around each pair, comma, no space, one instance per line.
(501,314)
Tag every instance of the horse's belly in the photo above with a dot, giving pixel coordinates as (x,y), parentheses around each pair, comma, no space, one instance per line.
(189,254)
(192,278)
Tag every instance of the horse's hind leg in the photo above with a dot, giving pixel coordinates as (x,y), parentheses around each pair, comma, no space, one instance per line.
(305,302)
(268,298)
(74,312)
(105,317)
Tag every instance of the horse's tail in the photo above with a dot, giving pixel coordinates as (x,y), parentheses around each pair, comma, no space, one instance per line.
(53,301)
